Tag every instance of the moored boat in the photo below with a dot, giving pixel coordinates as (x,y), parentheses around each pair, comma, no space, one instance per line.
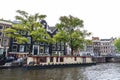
(44,62)
(10,66)
(13,64)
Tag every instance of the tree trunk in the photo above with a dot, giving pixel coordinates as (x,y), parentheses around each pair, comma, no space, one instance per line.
(31,42)
(31,46)
(72,51)
(65,50)
(71,47)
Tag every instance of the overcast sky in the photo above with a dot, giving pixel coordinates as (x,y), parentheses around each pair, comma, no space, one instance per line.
(101,17)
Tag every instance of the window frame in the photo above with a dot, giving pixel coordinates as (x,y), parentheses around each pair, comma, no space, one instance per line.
(14,50)
(21,48)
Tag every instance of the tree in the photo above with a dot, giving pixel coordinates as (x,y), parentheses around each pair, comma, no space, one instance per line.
(61,36)
(41,35)
(117,44)
(69,31)
(30,25)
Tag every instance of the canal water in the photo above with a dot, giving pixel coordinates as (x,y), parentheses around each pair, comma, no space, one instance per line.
(107,71)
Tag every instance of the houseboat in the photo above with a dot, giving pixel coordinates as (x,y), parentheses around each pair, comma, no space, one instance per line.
(43,62)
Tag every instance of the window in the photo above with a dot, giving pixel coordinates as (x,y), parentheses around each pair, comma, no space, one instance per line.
(14,48)
(27,48)
(58,47)
(61,59)
(5,42)
(58,43)
(14,41)
(62,43)
(54,47)
(62,47)
(51,59)
(21,49)
(42,60)
(46,49)
(41,43)
(29,40)
(41,49)
(0,33)
(1,27)
(75,58)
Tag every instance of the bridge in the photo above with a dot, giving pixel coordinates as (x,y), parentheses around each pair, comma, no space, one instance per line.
(107,58)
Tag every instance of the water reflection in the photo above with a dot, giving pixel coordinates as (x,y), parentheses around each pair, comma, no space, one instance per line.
(55,74)
(109,71)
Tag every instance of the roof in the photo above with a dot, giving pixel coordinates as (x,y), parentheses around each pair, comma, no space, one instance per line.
(15,22)
(5,20)
(95,38)
(8,22)
(105,39)
(52,29)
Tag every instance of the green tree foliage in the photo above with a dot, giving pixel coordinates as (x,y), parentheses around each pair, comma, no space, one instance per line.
(117,44)
(41,35)
(14,32)
(61,36)
(70,32)
(29,24)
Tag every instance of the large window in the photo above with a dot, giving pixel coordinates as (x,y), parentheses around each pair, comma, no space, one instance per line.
(14,41)
(14,48)
(58,47)
(51,59)
(54,47)
(46,50)
(0,33)
(5,42)
(27,48)
(1,51)
(29,40)
(21,49)
(1,27)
